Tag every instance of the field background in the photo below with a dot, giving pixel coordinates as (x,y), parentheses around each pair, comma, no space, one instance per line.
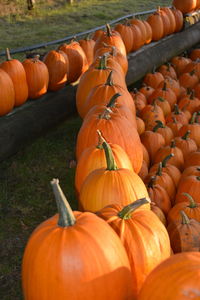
(26,197)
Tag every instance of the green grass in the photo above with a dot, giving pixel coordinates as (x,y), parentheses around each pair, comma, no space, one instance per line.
(26,198)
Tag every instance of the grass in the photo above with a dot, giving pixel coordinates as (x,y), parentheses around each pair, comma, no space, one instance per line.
(26,198)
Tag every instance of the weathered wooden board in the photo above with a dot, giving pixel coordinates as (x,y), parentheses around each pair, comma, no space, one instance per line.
(35,117)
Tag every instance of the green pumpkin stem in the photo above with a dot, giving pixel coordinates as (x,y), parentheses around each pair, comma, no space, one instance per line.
(185,219)
(161,99)
(113,100)
(111,164)
(126,212)
(8,56)
(164,86)
(190,198)
(108,30)
(66,216)
(176,109)
(198,178)
(102,62)
(193,119)
(109,79)
(165,160)
(100,140)
(158,125)
(186,135)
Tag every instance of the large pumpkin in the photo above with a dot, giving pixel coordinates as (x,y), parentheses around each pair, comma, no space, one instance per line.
(37,77)
(16,71)
(7,93)
(177,278)
(144,237)
(75,256)
(111,185)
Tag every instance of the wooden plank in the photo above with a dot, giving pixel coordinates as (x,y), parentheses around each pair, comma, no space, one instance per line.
(157,53)
(35,117)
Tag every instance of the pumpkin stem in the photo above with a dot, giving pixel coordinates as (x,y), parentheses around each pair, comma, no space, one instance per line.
(192,72)
(108,30)
(126,212)
(159,171)
(176,109)
(100,140)
(164,86)
(185,219)
(152,181)
(8,56)
(111,164)
(109,79)
(192,95)
(161,99)
(113,100)
(102,63)
(158,125)
(165,160)
(190,198)
(106,114)
(198,178)
(186,135)
(66,216)
(173,144)
(193,119)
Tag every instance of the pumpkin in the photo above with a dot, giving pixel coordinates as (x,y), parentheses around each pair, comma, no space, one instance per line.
(87,45)
(15,69)
(171,17)
(111,38)
(164,93)
(193,66)
(150,114)
(191,185)
(117,129)
(195,54)
(55,264)
(139,100)
(193,159)
(93,77)
(166,22)
(158,195)
(178,114)
(153,79)
(168,70)
(178,18)
(185,6)
(165,131)
(184,234)
(148,32)
(177,160)
(138,39)
(96,34)
(179,63)
(174,125)
(191,170)
(102,93)
(58,67)
(152,141)
(189,206)
(188,79)
(176,278)
(140,125)
(159,213)
(189,102)
(94,158)
(111,185)
(194,129)
(170,169)
(126,34)
(156,23)
(171,83)
(186,144)
(146,90)
(37,77)
(7,93)
(141,234)
(78,63)
(144,170)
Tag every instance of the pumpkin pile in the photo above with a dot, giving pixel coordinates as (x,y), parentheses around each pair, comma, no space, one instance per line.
(137,181)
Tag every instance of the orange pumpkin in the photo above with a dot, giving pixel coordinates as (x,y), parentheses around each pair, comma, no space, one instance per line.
(111,185)
(185,6)
(186,144)
(177,278)
(191,185)
(87,45)
(37,77)
(57,66)
(156,23)
(168,70)
(153,79)
(159,213)
(94,158)
(131,223)
(184,234)
(15,69)
(178,18)
(126,34)
(7,93)
(55,265)
(189,206)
